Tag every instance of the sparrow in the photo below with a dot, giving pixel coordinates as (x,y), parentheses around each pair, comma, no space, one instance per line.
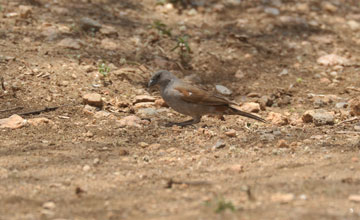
(193,101)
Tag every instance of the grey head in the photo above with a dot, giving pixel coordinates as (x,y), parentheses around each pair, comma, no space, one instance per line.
(162,78)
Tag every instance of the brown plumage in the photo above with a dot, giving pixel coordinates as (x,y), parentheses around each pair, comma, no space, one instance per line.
(193,101)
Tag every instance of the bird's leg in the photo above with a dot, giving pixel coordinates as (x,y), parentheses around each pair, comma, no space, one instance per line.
(195,120)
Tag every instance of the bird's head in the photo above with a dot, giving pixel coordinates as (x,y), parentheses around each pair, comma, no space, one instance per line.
(161,77)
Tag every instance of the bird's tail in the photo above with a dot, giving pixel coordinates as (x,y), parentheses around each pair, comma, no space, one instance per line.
(237,111)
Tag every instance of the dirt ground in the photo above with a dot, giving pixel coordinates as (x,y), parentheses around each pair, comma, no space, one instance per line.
(84,164)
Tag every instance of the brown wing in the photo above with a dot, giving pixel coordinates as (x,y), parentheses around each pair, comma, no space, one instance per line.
(194,94)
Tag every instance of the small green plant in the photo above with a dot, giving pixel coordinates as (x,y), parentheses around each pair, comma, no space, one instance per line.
(222,205)
(299,80)
(162,28)
(104,70)
(184,48)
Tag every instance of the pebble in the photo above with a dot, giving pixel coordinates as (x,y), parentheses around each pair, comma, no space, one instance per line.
(160,103)
(130,121)
(147,111)
(341,105)
(282,144)
(272,11)
(230,133)
(277,119)
(108,30)
(143,98)
(13,122)
(329,7)
(49,205)
(250,107)
(143,144)
(51,33)
(144,105)
(25,11)
(123,152)
(354,25)
(283,197)
(88,23)
(109,44)
(284,72)
(40,121)
(223,90)
(219,144)
(93,99)
(267,137)
(318,117)
(86,168)
(69,43)
(354,198)
(355,106)
(332,60)
(357,127)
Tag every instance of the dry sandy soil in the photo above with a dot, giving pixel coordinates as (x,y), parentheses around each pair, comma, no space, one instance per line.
(84,164)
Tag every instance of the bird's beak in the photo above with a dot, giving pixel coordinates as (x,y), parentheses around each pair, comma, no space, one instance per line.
(151,83)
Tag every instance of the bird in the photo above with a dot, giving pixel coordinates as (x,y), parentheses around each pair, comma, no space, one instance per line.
(193,101)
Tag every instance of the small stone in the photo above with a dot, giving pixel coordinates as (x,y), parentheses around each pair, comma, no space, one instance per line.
(253,95)
(96,161)
(89,134)
(239,74)
(160,103)
(88,24)
(272,11)
(130,121)
(154,146)
(143,144)
(25,11)
(13,122)
(223,90)
(143,98)
(354,198)
(236,168)
(93,99)
(109,44)
(51,33)
(267,137)
(230,133)
(40,121)
(284,72)
(192,12)
(144,105)
(277,119)
(318,117)
(341,105)
(89,110)
(49,205)
(108,30)
(325,80)
(219,144)
(69,43)
(102,114)
(357,127)
(265,101)
(59,10)
(282,144)
(329,7)
(11,15)
(332,60)
(283,197)
(86,168)
(250,107)
(147,111)
(355,106)
(354,25)
(123,152)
